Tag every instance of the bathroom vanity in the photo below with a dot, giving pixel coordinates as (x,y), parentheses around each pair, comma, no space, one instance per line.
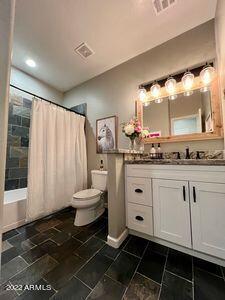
(178,203)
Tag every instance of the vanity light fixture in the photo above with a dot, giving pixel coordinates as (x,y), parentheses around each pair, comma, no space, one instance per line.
(170,86)
(146,103)
(159,100)
(173,97)
(156,92)
(207,75)
(31,63)
(188,81)
(142,94)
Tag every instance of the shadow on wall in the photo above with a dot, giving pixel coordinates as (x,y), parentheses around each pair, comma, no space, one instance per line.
(93,158)
(80,108)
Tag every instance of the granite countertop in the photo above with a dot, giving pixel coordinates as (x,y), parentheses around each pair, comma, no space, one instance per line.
(122,151)
(204,162)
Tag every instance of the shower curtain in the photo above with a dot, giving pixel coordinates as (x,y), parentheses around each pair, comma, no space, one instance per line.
(57,158)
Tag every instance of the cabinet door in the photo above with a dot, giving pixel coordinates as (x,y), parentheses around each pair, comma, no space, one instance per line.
(171,211)
(208,217)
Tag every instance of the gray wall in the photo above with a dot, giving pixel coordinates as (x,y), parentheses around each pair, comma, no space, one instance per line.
(7,13)
(35,86)
(115,91)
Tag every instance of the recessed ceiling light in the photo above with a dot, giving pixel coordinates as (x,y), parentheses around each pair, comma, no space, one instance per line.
(31,63)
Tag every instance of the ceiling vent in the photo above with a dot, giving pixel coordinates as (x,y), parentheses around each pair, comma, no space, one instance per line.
(162,5)
(84,50)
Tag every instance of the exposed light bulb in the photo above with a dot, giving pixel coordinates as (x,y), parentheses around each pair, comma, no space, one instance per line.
(170,85)
(155,90)
(188,81)
(146,103)
(159,100)
(142,94)
(207,75)
(173,97)
(31,63)
(188,93)
(205,89)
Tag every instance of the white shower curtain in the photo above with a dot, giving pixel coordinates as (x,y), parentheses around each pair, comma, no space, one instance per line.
(57,158)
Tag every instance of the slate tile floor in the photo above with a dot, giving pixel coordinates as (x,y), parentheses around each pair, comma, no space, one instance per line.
(71,262)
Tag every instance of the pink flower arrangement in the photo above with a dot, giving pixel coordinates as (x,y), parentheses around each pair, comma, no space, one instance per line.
(134,129)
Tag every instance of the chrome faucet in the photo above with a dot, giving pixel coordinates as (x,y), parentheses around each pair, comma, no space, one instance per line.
(177,154)
(198,154)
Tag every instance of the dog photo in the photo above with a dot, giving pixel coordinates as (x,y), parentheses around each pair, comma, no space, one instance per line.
(106,134)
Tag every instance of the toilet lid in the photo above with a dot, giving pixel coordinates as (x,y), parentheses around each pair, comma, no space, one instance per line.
(87,194)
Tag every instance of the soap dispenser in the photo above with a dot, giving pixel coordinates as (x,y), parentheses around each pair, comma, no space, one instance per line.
(101,168)
(159,152)
(153,152)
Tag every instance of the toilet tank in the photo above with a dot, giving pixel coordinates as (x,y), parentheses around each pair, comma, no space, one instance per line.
(99,180)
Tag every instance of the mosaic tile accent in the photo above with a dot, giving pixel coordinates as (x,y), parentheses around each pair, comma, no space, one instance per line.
(18,142)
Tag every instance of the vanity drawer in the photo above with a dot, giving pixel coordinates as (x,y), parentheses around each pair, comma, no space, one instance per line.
(139,190)
(139,218)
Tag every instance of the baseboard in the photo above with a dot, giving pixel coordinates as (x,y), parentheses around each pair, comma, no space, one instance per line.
(116,242)
(13,225)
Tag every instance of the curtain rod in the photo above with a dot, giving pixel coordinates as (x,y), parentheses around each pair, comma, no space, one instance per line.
(46,100)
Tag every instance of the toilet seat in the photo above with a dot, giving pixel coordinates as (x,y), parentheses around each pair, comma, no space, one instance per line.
(86,198)
(87,194)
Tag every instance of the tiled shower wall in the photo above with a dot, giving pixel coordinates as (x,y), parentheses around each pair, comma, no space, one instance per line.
(18,142)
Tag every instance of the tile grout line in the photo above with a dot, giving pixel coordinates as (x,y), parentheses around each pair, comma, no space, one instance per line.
(223,272)
(16,272)
(174,274)
(148,278)
(139,257)
(193,279)
(164,270)
(91,256)
(112,261)
(86,261)
(84,284)
(31,265)
(119,249)
(211,273)
(135,272)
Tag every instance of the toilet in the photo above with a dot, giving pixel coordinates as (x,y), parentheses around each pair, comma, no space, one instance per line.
(89,203)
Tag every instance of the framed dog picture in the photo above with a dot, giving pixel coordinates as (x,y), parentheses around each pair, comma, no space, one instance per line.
(106,133)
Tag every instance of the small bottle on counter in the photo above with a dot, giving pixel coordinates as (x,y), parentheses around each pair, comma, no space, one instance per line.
(159,152)
(101,165)
(153,152)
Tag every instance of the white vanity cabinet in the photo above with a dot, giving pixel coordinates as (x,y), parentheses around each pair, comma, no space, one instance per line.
(183,205)
(208,217)
(171,207)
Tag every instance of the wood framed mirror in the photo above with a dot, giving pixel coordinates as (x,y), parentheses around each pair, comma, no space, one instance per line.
(192,118)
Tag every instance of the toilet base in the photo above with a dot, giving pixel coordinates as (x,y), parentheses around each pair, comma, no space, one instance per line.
(85,216)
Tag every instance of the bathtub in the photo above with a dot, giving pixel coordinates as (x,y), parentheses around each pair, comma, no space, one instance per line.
(14,209)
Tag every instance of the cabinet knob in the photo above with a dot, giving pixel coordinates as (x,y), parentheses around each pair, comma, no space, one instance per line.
(139,218)
(138,191)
